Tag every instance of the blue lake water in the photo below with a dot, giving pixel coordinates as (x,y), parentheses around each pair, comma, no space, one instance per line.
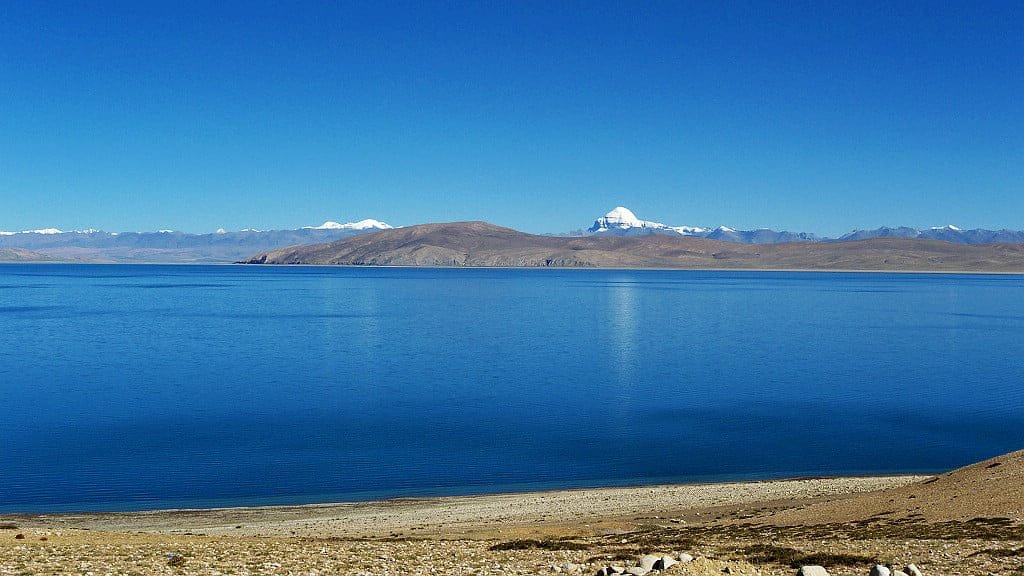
(133,387)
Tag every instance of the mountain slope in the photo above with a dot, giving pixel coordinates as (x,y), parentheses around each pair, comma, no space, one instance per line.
(483,244)
(20,255)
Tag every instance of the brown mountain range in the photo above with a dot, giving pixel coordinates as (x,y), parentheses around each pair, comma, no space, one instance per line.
(483,244)
(22,255)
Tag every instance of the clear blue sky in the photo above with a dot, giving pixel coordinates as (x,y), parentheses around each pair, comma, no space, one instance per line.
(812,116)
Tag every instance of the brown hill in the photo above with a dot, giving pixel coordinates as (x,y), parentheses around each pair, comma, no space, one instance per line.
(990,489)
(21,255)
(483,244)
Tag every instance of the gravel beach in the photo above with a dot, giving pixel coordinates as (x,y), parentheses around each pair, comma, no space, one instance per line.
(736,528)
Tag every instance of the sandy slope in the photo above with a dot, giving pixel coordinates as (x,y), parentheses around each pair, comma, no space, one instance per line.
(990,489)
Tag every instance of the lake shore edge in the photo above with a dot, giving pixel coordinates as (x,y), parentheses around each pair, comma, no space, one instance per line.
(923,271)
(439,515)
(965,521)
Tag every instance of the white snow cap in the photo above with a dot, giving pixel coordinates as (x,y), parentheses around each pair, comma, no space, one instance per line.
(622,216)
(946,227)
(688,230)
(221,231)
(361,225)
(43,231)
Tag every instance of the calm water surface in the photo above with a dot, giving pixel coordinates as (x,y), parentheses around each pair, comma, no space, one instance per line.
(132,387)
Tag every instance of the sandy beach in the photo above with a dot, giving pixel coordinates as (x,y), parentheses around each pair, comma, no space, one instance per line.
(947,524)
(472,515)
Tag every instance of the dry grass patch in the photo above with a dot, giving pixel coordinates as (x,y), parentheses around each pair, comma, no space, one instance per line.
(545,544)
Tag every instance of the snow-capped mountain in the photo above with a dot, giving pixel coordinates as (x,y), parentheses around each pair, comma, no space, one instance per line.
(171,246)
(367,224)
(45,231)
(623,222)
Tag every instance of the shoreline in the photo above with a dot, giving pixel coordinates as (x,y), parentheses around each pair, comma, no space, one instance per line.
(528,489)
(965,521)
(465,515)
(558,268)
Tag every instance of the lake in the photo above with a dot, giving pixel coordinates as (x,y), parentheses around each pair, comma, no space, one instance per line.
(131,387)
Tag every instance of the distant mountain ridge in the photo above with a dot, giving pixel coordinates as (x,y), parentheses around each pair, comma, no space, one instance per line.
(167,246)
(486,245)
(622,221)
(175,247)
(947,233)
